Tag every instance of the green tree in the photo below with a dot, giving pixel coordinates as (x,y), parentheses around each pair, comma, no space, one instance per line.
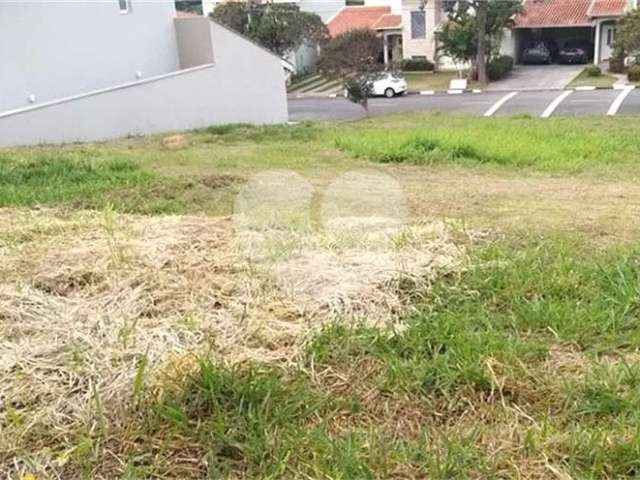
(457,40)
(191,6)
(280,27)
(474,29)
(354,58)
(628,34)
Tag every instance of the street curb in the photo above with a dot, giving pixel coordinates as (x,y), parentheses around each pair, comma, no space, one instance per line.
(591,88)
(585,88)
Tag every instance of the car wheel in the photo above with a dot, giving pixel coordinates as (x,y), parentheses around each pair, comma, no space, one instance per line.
(389,93)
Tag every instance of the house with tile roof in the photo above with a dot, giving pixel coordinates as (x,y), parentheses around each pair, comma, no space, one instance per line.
(378,18)
(406,26)
(563,20)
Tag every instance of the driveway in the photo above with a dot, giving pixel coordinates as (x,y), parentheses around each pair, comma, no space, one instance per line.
(538,77)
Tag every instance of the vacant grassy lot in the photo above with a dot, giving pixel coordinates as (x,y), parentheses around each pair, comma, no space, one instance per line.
(417,296)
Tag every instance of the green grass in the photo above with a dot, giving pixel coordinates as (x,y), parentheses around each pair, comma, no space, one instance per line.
(44,178)
(555,145)
(479,349)
(141,176)
(269,423)
(584,80)
(438,81)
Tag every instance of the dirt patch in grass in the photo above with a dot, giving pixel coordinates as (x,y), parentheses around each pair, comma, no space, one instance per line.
(219,181)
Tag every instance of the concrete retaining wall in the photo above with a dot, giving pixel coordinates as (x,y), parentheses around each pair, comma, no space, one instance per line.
(244,85)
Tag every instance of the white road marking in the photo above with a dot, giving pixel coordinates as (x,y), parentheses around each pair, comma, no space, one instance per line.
(619,100)
(427,92)
(618,86)
(496,106)
(555,104)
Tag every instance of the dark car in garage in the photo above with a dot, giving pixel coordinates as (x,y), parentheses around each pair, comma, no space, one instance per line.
(537,53)
(576,52)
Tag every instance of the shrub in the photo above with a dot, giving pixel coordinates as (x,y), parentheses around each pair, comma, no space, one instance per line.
(499,67)
(634,73)
(593,71)
(413,65)
(616,62)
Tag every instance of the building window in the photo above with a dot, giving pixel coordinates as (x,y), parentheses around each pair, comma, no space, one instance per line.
(125,6)
(418,25)
(611,36)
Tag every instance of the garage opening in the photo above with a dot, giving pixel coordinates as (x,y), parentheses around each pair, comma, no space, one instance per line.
(555,39)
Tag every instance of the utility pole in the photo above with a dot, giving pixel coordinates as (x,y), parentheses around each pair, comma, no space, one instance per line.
(481,18)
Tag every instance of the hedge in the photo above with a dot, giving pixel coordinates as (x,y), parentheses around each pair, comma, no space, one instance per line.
(499,67)
(633,74)
(411,65)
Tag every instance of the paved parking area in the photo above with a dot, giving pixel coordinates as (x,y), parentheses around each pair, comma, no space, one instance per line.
(536,104)
(538,77)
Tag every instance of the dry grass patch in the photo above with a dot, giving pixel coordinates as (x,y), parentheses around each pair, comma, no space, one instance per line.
(94,305)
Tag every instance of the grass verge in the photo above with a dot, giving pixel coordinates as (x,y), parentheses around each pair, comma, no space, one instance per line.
(585,80)
(438,81)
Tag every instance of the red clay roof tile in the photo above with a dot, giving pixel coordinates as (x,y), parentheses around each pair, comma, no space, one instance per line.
(353,18)
(608,8)
(388,22)
(554,13)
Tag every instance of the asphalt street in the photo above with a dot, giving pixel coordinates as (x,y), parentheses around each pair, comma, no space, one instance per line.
(536,104)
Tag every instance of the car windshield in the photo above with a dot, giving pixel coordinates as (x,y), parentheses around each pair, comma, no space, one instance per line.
(537,46)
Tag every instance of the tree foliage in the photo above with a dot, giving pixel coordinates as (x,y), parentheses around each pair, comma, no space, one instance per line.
(353,52)
(628,34)
(280,27)
(459,36)
(353,57)
(457,40)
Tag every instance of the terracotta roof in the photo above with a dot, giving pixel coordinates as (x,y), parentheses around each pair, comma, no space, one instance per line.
(554,13)
(608,8)
(353,18)
(388,22)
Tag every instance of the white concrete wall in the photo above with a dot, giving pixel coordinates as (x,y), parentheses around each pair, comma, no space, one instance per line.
(412,47)
(53,49)
(225,92)
(194,41)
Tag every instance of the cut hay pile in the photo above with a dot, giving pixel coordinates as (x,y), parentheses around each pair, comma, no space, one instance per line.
(88,300)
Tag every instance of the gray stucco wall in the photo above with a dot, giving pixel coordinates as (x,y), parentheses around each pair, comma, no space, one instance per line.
(54,49)
(194,41)
(244,85)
